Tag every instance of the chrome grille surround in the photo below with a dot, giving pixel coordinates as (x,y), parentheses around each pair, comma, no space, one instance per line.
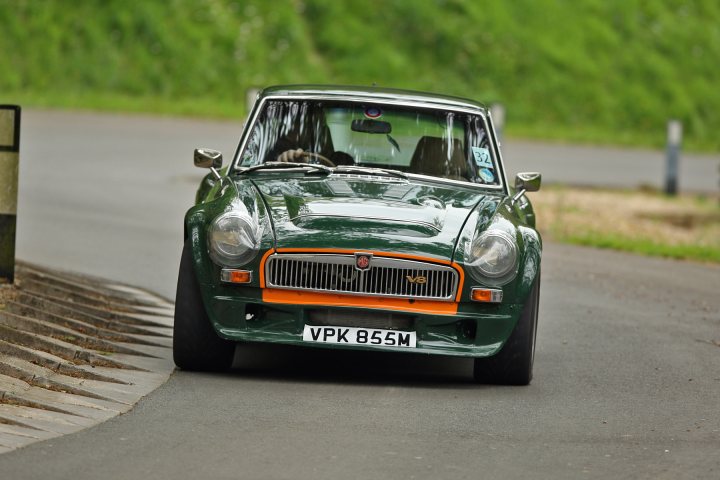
(336,273)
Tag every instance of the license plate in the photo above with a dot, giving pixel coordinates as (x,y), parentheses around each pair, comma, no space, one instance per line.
(359,336)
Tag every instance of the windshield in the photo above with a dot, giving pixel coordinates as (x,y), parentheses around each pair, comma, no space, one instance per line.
(434,142)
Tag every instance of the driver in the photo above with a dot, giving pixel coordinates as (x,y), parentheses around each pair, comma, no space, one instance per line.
(292,155)
(307,138)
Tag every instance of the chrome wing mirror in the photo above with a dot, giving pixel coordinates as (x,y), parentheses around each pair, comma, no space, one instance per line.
(526,182)
(208,158)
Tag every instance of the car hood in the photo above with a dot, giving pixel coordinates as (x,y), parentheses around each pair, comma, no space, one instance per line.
(376,214)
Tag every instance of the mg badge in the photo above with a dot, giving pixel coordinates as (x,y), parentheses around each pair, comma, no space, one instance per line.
(362,261)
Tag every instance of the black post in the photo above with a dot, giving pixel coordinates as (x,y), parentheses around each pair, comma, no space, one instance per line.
(674,141)
(9,159)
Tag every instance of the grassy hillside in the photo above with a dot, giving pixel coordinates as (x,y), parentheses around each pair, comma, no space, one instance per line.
(610,71)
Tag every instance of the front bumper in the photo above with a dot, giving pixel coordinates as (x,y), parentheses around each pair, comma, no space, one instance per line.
(473,330)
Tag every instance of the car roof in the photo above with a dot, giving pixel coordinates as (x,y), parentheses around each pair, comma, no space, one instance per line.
(377,93)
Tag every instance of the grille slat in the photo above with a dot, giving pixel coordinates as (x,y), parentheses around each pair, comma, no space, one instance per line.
(386,276)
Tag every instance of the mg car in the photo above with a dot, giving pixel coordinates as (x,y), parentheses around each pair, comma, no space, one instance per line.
(362,218)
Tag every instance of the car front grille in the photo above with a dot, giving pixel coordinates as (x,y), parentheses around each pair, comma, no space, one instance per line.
(389,277)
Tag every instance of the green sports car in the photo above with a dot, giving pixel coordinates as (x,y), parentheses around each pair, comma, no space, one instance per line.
(362,218)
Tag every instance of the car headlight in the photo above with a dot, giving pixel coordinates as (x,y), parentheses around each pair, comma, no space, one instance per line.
(492,257)
(233,239)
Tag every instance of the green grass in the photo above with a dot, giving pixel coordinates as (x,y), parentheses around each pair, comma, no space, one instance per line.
(646,247)
(601,71)
(118,102)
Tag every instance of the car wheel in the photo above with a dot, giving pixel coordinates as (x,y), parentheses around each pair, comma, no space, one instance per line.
(196,345)
(514,363)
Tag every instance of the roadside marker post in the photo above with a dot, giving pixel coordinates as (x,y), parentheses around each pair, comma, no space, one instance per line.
(674,142)
(9,161)
(250,97)
(497,112)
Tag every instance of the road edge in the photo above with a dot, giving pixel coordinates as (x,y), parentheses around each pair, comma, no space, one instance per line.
(75,351)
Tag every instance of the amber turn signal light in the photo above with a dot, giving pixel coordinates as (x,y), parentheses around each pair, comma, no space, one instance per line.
(486,295)
(230,275)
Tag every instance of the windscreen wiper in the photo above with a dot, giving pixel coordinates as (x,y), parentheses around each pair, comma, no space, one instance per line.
(369,171)
(393,142)
(286,166)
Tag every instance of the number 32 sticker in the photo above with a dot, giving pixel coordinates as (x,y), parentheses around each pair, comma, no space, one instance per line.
(482,157)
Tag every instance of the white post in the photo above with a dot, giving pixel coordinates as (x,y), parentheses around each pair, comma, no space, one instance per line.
(250,97)
(497,111)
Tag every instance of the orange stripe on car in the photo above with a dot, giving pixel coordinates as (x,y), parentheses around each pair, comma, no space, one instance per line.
(262,266)
(363,301)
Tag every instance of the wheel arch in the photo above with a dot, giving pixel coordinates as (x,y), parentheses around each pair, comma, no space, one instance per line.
(530,269)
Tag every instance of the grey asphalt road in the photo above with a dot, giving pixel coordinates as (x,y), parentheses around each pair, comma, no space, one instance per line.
(627,379)
(612,167)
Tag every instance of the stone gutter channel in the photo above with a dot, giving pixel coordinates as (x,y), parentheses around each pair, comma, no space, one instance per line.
(76,351)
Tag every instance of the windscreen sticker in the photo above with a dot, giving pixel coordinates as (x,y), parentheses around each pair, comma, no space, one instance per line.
(486,175)
(482,157)
(373,112)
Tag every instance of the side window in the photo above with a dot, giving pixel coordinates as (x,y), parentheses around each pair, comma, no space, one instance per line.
(262,137)
(252,148)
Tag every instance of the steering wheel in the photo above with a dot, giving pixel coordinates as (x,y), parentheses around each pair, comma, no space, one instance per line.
(322,158)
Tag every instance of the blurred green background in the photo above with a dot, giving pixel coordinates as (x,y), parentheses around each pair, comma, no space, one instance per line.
(603,71)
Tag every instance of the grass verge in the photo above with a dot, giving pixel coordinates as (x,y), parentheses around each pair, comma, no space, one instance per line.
(643,222)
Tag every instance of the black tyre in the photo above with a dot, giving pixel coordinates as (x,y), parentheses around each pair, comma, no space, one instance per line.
(196,346)
(514,363)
